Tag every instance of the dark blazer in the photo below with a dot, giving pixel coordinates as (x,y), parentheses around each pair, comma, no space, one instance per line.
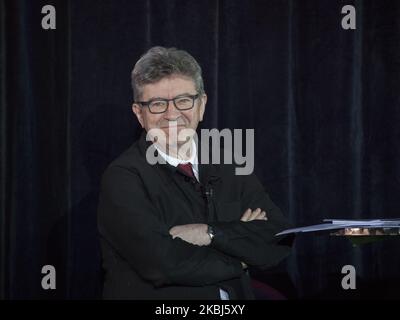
(140,202)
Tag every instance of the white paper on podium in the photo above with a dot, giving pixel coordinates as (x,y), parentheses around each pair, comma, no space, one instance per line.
(332,224)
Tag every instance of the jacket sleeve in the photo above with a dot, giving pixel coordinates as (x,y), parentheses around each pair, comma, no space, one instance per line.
(254,242)
(128,221)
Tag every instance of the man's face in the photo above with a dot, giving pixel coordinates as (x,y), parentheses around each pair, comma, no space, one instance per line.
(172,120)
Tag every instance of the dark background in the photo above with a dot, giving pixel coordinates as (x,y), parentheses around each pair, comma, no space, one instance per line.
(324,103)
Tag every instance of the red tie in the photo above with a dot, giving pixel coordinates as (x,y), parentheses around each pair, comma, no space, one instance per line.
(186,168)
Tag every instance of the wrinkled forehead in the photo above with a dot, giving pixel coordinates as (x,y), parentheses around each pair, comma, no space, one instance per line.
(168,87)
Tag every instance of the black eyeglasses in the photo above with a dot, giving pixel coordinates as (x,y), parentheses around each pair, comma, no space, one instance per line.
(159,105)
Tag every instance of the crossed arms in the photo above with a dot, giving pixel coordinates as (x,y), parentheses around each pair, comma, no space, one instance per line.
(197,233)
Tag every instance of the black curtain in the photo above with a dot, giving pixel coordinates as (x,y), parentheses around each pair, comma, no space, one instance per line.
(324,103)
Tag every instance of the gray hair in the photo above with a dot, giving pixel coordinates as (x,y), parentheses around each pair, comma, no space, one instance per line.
(158,63)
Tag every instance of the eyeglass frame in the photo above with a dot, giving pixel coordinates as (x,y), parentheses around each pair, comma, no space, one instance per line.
(147,103)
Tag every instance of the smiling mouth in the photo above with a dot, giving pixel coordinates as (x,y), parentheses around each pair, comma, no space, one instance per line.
(173,126)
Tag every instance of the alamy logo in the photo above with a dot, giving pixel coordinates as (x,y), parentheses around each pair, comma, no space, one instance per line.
(49,20)
(210,146)
(349,20)
(49,280)
(349,280)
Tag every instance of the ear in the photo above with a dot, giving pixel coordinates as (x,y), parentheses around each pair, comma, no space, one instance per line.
(202,108)
(138,111)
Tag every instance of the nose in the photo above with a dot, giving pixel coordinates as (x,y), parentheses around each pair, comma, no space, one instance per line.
(172,113)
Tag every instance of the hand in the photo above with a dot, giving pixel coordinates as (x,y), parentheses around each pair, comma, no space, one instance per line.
(250,215)
(195,233)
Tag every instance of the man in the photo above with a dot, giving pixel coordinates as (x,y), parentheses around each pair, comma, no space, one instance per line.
(180,229)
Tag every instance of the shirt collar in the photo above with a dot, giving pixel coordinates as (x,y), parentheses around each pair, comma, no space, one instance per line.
(175,161)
